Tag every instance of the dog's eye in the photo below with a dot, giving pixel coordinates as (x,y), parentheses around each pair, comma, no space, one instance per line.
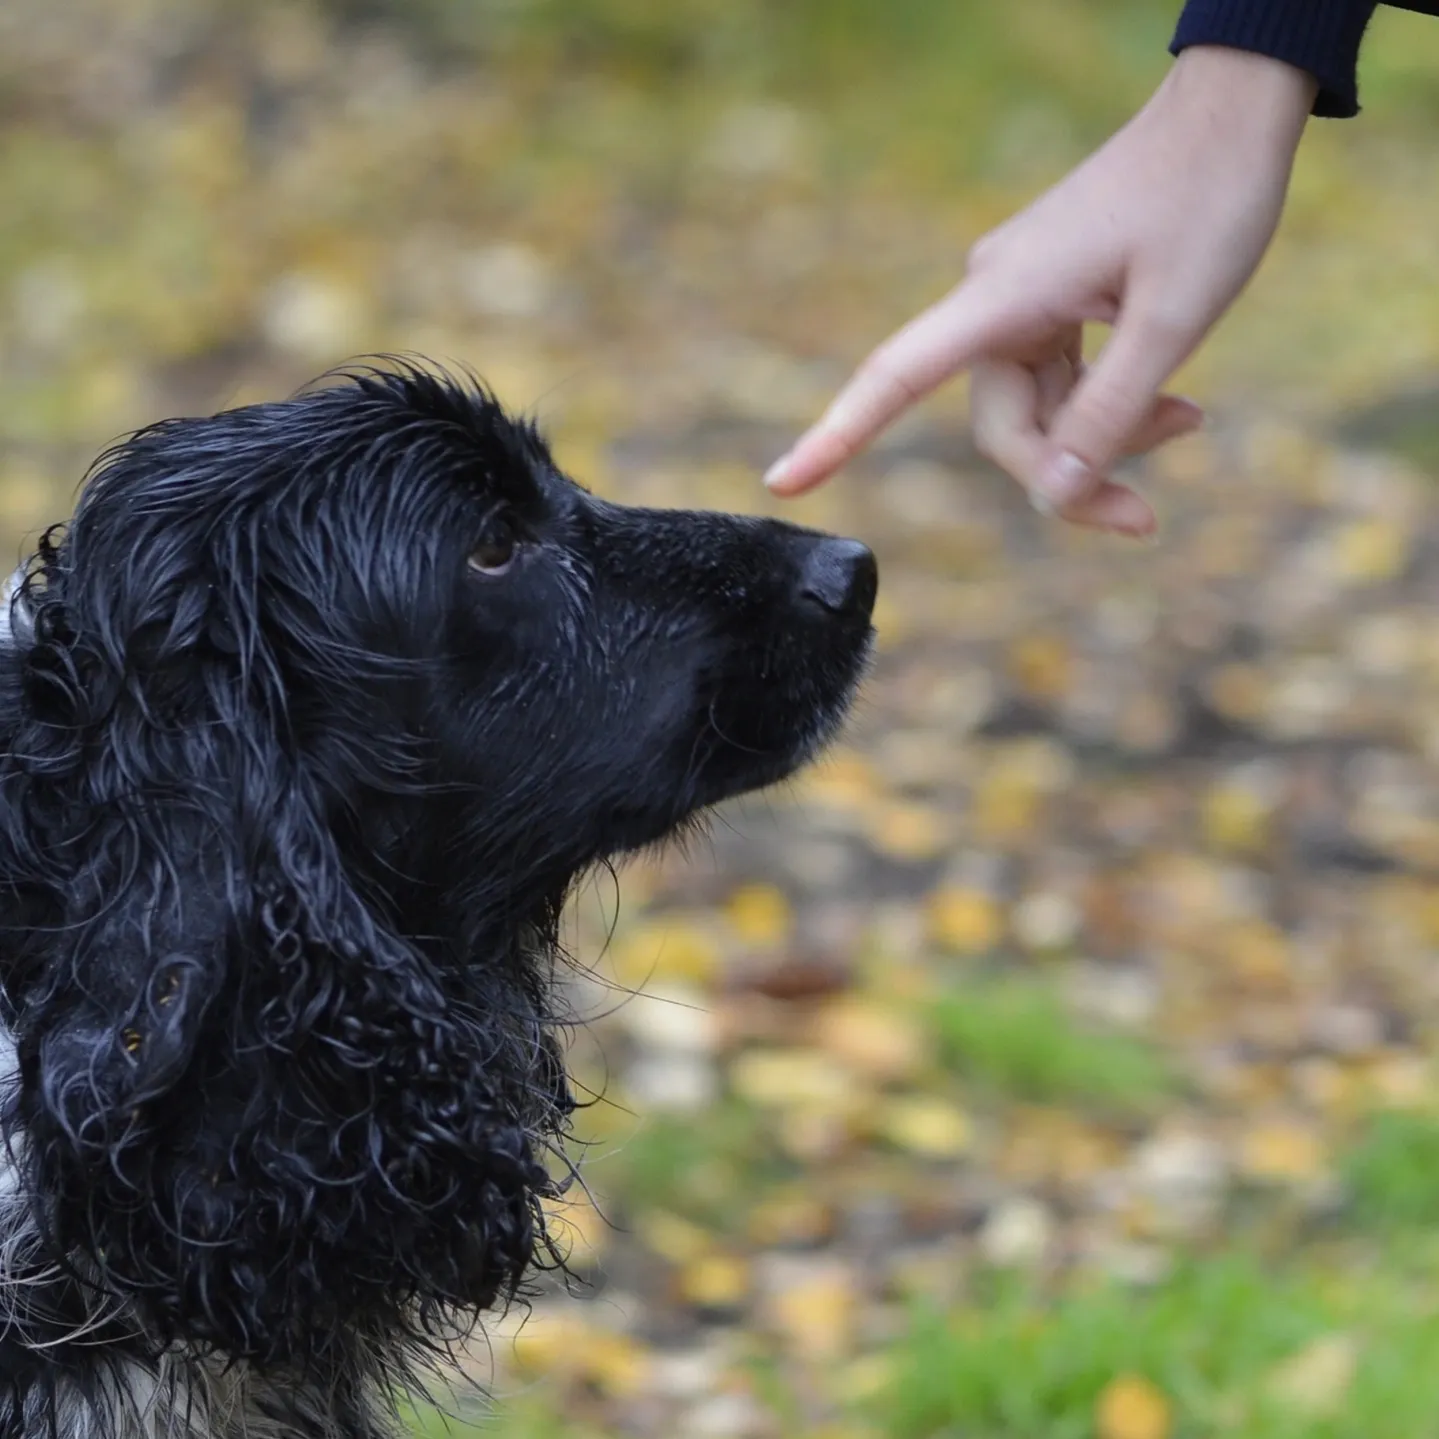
(496,553)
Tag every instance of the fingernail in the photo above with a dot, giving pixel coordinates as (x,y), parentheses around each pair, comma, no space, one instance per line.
(777,472)
(1065,478)
(1042,504)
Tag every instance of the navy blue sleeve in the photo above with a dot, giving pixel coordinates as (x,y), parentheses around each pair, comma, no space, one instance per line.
(1320,36)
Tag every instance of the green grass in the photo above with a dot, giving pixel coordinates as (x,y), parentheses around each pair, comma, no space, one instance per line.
(705,1171)
(524,1417)
(1210,1339)
(920,91)
(947,88)
(1392,1174)
(1015,1037)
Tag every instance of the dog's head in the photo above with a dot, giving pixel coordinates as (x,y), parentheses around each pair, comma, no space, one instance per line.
(310,719)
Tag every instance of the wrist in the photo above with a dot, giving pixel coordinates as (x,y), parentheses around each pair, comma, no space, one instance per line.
(1241,92)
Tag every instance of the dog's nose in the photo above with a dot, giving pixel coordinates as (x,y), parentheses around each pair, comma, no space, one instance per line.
(839,576)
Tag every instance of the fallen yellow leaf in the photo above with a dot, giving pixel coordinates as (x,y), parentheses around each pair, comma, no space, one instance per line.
(1236,817)
(1396,1080)
(879,1044)
(909,831)
(1005,807)
(760,915)
(549,1342)
(615,1364)
(791,1217)
(1257,954)
(1281,1151)
(715,1281)
(673,1237)
(1130,1407)
(788,1078)
(967,921)
(815,1316)
(930,1128)
(677,949)
(1040,666)
(1370,550)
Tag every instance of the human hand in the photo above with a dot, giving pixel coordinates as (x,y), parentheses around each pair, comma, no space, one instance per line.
(1155,235)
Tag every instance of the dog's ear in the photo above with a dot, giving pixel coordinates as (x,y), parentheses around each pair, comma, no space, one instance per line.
(134,761)
(182,712)
(98,1062)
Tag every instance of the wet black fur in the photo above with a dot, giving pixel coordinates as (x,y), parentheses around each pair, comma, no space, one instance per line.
(291,796)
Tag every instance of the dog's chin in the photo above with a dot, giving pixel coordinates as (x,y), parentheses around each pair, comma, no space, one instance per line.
(752,772)
(728,774)
(795,740)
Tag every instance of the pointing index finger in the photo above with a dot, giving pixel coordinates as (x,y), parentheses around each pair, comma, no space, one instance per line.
(914,361)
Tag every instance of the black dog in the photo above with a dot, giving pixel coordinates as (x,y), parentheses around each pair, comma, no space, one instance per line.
(308,722)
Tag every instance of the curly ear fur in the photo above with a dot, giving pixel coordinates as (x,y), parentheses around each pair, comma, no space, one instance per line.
(228,1052)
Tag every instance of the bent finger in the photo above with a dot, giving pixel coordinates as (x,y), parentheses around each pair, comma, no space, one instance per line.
(1111,403)
(1115,509)
(1171,417)
(1006,401)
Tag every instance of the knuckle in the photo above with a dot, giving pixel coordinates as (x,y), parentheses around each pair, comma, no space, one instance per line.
(1169,321)
(1100,421)
(884,370)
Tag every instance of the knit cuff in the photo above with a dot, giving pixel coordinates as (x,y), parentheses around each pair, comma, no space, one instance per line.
(1319,36)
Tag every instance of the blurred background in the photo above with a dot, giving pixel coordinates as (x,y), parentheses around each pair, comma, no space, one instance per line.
(1056,1058)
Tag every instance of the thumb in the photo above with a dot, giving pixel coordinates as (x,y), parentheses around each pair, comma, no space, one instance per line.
(1113,400)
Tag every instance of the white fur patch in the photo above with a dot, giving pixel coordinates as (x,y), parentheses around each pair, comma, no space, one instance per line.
(13,616)
(9,1077)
